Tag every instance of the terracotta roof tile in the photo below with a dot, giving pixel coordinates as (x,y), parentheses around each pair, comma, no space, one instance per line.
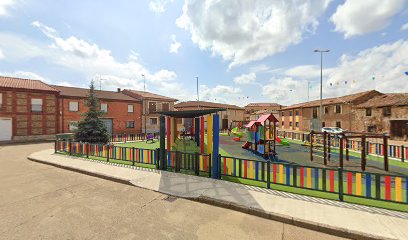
(147,95)
(389,99)
(263,105)
(206,105)
(83,92)
(352,98)
(12,82)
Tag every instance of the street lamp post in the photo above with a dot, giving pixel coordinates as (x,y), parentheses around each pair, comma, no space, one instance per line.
(144,103)
(198,96)
(321,85)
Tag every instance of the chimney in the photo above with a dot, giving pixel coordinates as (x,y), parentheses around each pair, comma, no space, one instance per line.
(118,89)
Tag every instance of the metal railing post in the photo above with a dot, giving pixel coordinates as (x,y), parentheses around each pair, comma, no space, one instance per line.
(133,156)
(197,164)
(107,152)
(87,149)
(209,165)
(340,182)
(219,166)
(268,174)
(402,153)
(55,146)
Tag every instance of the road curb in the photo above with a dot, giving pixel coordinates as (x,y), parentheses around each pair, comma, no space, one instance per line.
(340,232)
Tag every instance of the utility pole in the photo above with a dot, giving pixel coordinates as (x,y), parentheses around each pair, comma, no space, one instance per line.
(198,96)
(321,85)
(144,104)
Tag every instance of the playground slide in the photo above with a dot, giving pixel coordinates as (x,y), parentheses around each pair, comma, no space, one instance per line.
(283,142)
(246,145)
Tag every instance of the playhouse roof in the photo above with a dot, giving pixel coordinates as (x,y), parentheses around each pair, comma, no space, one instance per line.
(265,117)
(191,113)
(250,124)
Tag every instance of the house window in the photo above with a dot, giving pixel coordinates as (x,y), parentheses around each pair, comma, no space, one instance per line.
(153,121)
(130,108)
(323,124)
(73,107)
(283,113)
(314,112)
(165,107)
(338,109)
(36,105)
(372,129)
(297,113)
(290,113)
(338,124)
(297,124)
(104,107)
(326,110)
(290,124)
(72,126)
(283,124)
(152,107)
(130,124)
(368,112)
(387,111)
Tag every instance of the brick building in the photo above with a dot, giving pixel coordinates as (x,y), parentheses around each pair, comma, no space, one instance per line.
(151,104)
(256,108)
(233,113)
(123,113)
(337,112)
(28,109)
(387,113)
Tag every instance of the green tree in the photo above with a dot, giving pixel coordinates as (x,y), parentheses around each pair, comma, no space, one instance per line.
(91,128)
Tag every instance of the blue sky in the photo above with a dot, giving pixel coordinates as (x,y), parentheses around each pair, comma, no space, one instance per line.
(242,51)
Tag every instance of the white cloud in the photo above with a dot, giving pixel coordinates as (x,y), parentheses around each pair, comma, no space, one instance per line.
(174,47)
(91,60)
(245,31)
(404,27)
(387,63)
(221,94)
(158,6)
(354,73)
(5,5)
(1,54)
(307,71)
(359,17)
(285,90)
(245,78)
(25,74)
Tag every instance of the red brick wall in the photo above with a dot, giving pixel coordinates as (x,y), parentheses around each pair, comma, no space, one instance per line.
(117,111)
(17,106)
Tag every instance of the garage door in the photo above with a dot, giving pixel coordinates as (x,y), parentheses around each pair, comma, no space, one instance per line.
(6,129)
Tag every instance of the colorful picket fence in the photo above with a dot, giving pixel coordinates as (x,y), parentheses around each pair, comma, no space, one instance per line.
(129,137)
(373,148)
(110,152)
(359,184)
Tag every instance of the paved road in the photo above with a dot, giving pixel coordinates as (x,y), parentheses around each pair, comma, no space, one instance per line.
(43,202)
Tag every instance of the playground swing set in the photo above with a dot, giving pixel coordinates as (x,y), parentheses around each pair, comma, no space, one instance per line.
(261,136)
(326,142)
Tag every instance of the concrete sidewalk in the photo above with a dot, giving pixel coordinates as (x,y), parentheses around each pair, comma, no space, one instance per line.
(337,218)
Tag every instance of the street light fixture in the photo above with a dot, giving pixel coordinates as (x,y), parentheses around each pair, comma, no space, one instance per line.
(321,84)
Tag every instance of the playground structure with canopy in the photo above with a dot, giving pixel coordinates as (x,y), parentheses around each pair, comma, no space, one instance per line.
(170,133)
(261,136)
